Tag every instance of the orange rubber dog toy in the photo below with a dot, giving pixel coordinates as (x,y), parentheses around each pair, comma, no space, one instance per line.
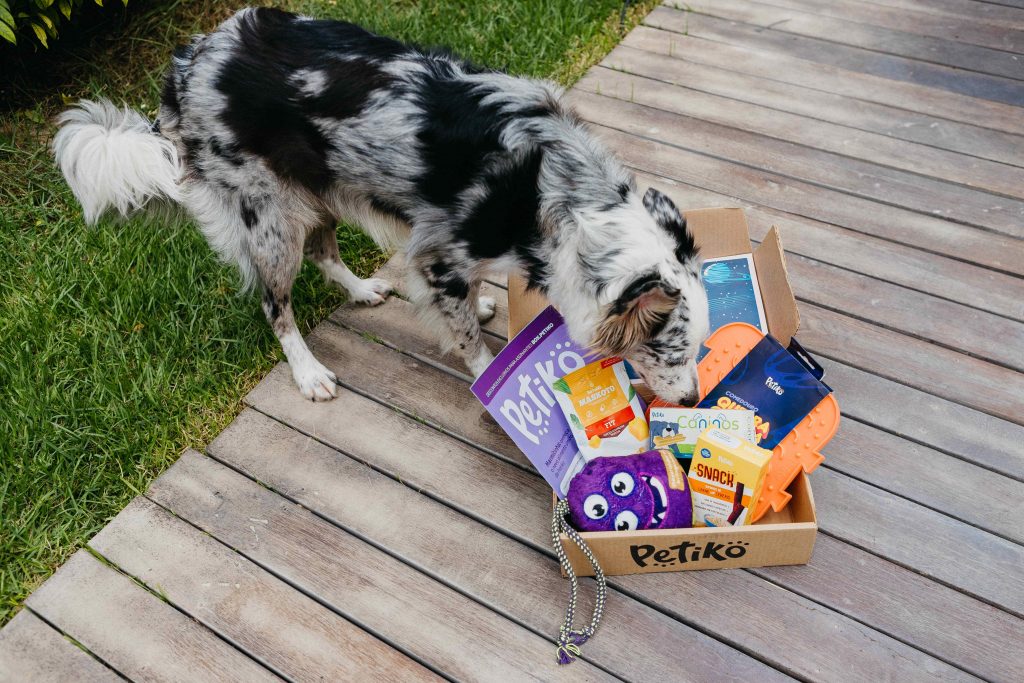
(799,450)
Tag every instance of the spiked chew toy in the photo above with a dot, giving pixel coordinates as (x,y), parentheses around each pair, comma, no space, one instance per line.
(800,449)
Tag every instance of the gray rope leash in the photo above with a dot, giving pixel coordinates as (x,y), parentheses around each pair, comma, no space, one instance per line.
(569,640)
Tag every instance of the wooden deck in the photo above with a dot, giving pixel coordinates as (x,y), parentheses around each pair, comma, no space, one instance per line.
(394,533)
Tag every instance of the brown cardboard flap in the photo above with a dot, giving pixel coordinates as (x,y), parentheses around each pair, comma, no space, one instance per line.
(719,232)
(802,504)
(523,305)
(776,293)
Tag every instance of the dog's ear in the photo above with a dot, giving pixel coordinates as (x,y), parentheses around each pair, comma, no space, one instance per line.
(672,221)
(636,317)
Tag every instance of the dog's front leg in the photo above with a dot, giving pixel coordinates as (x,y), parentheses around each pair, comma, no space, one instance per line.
(452,297)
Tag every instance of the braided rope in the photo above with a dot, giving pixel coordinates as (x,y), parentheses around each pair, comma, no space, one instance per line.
(570,639)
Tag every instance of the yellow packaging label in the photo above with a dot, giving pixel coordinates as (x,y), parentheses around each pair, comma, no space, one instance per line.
(726,477)
(604,413)
(598,397)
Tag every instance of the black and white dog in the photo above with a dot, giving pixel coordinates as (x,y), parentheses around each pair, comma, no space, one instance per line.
(274,127)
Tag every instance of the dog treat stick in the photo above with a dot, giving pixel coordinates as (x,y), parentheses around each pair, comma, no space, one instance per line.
(737,503)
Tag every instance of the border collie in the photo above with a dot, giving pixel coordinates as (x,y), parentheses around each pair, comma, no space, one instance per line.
(274,127)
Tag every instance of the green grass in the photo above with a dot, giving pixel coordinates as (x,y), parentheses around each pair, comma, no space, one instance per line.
(122,345)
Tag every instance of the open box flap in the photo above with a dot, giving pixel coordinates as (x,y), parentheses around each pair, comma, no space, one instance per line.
(776,293)
(719,232)
(523,305)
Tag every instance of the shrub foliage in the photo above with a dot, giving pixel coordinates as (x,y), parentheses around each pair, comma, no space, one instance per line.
(37,19)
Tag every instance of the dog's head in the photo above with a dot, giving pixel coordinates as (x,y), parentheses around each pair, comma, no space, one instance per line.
(651,308)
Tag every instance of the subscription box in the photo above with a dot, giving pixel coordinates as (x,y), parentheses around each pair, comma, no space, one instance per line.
(785,537)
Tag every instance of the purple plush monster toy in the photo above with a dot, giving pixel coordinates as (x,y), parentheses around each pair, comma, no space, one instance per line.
(645,491)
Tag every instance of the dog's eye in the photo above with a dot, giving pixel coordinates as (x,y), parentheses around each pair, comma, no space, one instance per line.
(626,521)
(595,506)
(622,484)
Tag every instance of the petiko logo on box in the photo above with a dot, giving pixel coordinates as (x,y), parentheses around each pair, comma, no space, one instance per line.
(530,409)
(646,555)
(774,386)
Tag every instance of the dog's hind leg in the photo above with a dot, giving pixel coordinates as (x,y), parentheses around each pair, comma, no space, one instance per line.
(322,249)
(276,242)
(453,297)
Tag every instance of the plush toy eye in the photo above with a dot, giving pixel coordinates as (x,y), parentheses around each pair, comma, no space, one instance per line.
(626,521)
(622,484)
(595,506)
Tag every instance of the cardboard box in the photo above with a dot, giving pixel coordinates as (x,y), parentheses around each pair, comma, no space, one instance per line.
(778,538)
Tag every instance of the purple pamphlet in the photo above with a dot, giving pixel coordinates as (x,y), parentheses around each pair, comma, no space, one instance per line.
(516,390)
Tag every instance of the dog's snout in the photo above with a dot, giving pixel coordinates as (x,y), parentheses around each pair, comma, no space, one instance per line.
(688,399)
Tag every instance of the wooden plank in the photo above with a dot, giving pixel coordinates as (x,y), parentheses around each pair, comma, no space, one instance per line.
(939,481)
(371,369)
(938,371)
(268,619)
(965,28)
(879,261)
(805,638)
(774,66)
(927,233)
(872,147)
(901,124)
(972,84)
(878,38)
(992,13)
(30,650)
(939,620)
(940,424)
(963,557)
(133,631)
(472,558)
(451,633)
(843,174)
(333,347)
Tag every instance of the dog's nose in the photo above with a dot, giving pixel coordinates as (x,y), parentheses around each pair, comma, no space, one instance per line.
(689,399)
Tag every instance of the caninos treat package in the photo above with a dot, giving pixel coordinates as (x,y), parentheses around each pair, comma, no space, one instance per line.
(677,429)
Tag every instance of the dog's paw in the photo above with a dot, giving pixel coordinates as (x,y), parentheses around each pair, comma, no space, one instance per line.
(479,362)
(316,382)
(485,308)
(372,291)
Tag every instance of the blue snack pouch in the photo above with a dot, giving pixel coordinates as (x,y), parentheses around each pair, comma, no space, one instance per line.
(780,385)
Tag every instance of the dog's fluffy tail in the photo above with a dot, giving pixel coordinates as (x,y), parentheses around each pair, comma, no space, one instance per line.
(112,158)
